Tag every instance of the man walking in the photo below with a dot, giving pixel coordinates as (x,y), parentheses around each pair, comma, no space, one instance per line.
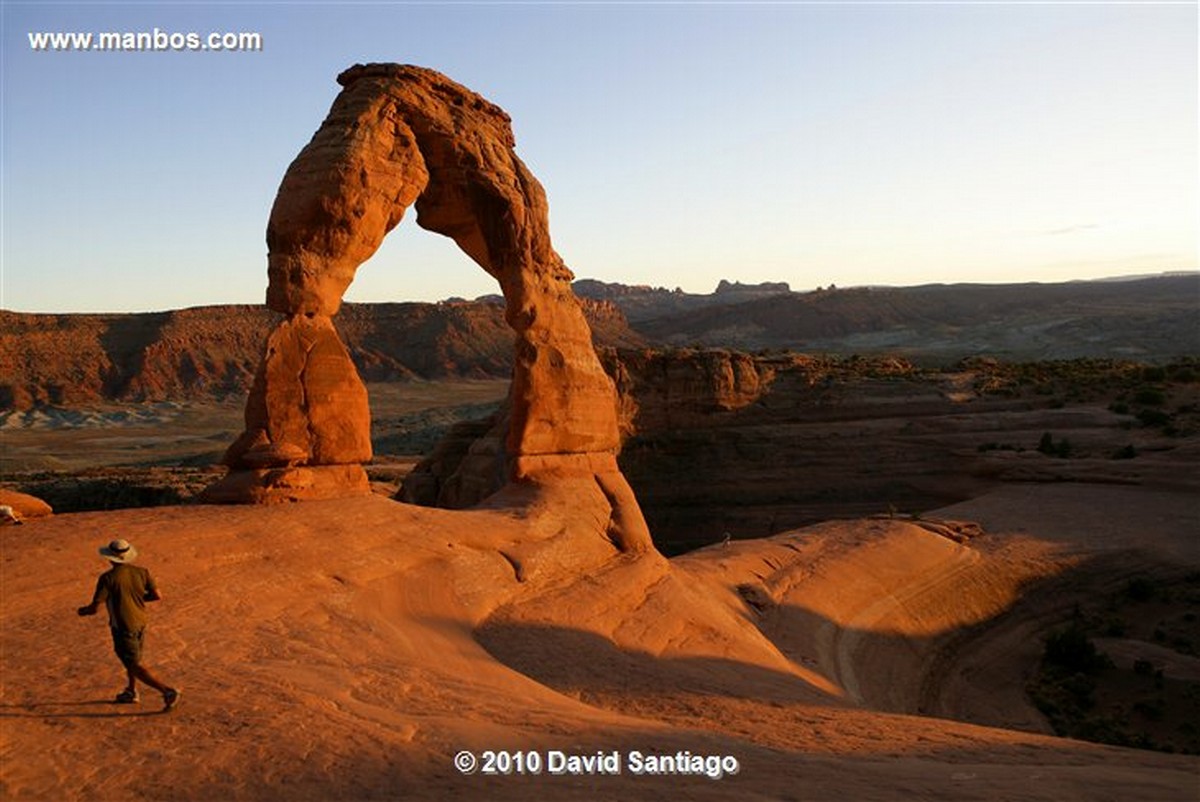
(124,589)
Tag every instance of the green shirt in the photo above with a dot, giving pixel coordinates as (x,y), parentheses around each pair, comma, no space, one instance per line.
(123,589)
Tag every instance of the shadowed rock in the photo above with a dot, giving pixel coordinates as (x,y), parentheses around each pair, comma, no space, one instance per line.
(400,135)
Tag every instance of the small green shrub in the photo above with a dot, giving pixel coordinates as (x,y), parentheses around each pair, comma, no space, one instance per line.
(1153,373)
(1061,449)
(1071,650)
(1140,589)
(1184,375)
(1150,396)
(1153,417)
(1152,709)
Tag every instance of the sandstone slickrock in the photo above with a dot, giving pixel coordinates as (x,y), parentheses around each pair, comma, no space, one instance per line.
(396,136)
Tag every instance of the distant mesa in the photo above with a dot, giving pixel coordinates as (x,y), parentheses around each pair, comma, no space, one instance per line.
(396,136)
(593,288)
(213,352)
(725,287)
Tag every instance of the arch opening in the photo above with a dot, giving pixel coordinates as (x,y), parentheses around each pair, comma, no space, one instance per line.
(443,271)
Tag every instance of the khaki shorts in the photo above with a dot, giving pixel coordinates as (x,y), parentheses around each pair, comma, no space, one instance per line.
(128,645)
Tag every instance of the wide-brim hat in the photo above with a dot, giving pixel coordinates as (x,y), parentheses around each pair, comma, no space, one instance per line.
(119,551)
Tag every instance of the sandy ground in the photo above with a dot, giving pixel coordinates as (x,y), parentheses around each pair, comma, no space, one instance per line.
(350,649)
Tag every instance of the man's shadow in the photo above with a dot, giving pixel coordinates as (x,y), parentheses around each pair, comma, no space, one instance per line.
(31,710)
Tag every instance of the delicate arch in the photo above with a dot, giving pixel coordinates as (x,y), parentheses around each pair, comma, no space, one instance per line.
(399,135)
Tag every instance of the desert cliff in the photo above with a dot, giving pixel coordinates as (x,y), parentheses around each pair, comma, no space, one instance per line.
(211,353)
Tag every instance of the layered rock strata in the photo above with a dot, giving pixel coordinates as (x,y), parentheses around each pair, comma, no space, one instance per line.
(396,136)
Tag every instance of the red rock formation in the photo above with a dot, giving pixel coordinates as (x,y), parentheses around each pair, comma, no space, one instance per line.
(307,421)
(669,389)
(24,505)
(398,135)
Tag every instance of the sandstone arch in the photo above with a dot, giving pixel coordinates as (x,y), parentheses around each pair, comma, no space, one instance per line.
(399,135)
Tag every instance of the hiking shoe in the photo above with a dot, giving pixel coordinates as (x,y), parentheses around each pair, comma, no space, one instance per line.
(127,697)
(170,699)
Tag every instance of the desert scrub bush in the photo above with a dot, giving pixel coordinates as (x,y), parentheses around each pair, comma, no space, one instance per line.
(1154,373)
(1083,694)
(1064,699)
(1152,709)
(1150,396)
(1140,589)
(1184,374)
(1064,689)
(1071,650)
(1153,418)
(1061,449)
(993,446)
(1128,452)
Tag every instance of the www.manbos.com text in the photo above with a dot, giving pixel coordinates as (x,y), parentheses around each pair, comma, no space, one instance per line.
(156,40)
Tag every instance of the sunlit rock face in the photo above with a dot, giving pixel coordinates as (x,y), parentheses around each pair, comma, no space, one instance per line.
(397,136)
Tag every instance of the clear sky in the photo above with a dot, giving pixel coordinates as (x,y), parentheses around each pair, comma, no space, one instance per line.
(678,143)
